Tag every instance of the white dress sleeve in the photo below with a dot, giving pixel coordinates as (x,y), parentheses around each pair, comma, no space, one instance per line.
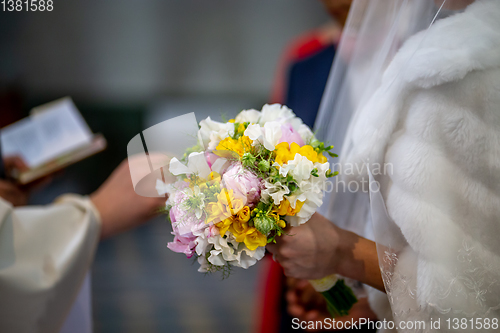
(45,253)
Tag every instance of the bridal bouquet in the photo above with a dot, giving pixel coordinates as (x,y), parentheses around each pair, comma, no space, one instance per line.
(245,181)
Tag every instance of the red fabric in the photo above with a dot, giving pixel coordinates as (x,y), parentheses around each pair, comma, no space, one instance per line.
(268,308)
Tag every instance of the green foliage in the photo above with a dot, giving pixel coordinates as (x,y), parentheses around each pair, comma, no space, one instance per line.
(329,173)
(319,147)
(263,166)
(165,210)
(314,172)
(340,299)
(193,202)
(248,160)
(195,149)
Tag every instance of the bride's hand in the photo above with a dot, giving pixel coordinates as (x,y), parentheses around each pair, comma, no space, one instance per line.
(319,248)
(309,251)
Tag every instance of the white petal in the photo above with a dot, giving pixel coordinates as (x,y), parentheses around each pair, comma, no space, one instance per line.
(283,169)
(272,135)
(218,165)
(251,116)
(197,162)
(162,188)
(216,259)
(305,133)
(253,131)
(177,168)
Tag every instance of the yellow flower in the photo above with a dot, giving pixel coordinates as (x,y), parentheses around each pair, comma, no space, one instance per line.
(224,225)
(285,152)
(228,198)
(231,121)
(240,146)
(286,209)
(241,128)
(217,212)
(239,230)
(254,239)
(213,180)
(294,149)
(244,214)
(226,206)
(250,236)
(282,153)
(214,176)
(322,158)
(308,152)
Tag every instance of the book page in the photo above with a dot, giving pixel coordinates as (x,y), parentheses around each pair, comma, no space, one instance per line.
(51,131)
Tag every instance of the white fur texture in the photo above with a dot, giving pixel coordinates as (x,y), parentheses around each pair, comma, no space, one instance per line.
(436,118)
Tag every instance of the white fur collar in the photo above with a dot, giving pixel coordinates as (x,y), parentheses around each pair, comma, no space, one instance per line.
(452,49)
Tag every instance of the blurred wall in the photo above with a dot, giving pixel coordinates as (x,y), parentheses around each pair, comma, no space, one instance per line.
(132,49)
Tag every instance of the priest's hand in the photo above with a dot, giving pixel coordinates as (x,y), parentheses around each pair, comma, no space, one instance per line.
(10,190)
(119,206)
(13,193)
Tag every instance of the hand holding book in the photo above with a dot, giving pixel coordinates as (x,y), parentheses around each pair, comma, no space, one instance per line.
(54,136)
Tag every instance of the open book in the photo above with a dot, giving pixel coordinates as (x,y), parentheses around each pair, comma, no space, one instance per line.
(54,136)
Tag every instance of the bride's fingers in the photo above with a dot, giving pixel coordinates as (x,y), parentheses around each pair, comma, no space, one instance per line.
(313,315)
(291,296)
(296,310)
(273,248)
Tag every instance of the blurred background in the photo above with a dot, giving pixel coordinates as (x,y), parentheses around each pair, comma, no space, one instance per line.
(129,64)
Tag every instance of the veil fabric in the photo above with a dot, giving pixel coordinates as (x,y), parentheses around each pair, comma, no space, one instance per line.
(374,32)
(412,107)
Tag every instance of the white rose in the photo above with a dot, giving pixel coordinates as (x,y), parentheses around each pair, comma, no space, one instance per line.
(251,116)
(269,135)
(276,112)
(211,131)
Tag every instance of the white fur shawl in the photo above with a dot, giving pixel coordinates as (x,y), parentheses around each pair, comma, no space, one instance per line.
(436,119)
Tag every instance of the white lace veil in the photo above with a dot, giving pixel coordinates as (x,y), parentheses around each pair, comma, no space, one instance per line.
(374,33)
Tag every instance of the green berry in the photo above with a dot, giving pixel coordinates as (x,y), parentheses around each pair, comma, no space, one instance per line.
(263,166)
(248,160)
(263,223)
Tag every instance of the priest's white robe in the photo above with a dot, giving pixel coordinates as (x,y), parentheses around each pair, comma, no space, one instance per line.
(45,254)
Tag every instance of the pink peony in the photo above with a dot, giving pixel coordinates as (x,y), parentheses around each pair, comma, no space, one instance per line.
(183,223)
(288,134)
(184,245)
(244,183)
